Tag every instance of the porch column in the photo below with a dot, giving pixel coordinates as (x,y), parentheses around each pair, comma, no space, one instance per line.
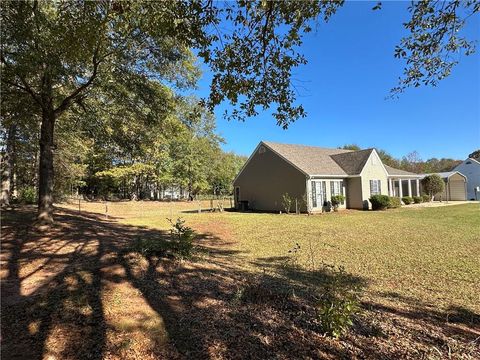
(400,190)
(409,187)
(418,187)
(390,187)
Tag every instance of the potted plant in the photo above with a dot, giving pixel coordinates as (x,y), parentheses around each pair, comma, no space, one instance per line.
(336,201)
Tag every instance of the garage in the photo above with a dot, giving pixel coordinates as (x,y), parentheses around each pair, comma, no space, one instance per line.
(455,187)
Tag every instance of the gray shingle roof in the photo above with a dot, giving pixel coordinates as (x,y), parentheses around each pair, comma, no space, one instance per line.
(352,162)
(312,160)
(393,171)
(443,175)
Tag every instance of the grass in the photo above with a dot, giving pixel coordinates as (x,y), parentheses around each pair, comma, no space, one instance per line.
(427,254)
(79,291)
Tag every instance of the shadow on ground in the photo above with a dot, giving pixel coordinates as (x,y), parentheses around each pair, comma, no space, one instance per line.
(78,291)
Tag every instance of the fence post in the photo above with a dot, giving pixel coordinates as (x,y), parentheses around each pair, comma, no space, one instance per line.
(79,204)
(106,210)
(296,206)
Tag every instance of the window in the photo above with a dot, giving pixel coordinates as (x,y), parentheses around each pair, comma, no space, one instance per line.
(336,188)
(375,187)
(318,193)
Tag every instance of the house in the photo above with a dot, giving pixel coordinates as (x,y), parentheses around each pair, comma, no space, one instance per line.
(455,186)
(312,175)
(471,169)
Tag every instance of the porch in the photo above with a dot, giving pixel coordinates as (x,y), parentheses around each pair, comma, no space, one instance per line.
(400,187)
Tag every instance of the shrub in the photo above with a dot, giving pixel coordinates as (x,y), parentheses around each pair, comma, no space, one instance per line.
(407,200)
(417,199)
(426,198)
(336,201)
(180,244)
(394,202)
(28,195)
(433,184)
(338,305)
(287,202)
(182,238)
(379,202)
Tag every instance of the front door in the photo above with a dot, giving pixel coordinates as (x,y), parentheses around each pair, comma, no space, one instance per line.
(318,194)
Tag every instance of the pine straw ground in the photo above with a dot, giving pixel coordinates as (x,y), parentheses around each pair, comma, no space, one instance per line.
(78,291)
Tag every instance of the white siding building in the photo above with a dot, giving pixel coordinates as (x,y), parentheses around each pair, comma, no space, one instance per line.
(471,169)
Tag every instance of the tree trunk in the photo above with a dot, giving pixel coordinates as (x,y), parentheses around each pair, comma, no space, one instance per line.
(7,166)
(45,186)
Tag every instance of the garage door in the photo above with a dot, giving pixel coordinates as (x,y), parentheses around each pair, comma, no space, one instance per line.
(457,190)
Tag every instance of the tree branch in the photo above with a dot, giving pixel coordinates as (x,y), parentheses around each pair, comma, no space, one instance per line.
(26,87)
(78,91)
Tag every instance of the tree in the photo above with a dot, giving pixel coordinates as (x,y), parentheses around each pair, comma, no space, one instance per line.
(62,54)
(433,185)
(412,162)
(354,147)
(388,159)
(434,43)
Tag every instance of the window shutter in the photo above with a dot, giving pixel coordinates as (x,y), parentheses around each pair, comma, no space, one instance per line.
(314,196)
(379,186)
(332,188)
(371,187)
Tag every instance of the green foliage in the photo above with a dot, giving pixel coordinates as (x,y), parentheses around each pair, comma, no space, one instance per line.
(433,184)
(181,237)
(417,199)
(27,195)
(337,200)
(338,304)
(354,147)
(407,200)
(434,42)
(380,202)
(287,202)
(426,198)
(179,246)
(394,202)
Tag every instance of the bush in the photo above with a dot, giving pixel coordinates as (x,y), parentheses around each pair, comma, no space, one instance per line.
(426,198)
(417,199)
(180,244)
(182,238)
(394,202)
(28,195)
(336,201)
(407,200)
(433,184)
(380,202)
(338,305)
(287,202)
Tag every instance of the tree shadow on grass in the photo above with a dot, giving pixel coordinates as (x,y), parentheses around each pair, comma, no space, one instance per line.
(56,299)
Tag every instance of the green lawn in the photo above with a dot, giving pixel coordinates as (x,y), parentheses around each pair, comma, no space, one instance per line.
(81,290)
(429,255)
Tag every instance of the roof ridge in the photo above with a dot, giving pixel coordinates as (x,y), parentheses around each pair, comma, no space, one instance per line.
(308,146)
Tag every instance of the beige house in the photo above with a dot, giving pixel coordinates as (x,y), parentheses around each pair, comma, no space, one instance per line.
(312,175)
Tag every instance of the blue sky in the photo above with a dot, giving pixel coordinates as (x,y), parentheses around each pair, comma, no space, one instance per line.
(350,72)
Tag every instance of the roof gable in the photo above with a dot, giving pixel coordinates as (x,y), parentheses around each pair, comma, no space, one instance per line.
(311,160)
(353,162)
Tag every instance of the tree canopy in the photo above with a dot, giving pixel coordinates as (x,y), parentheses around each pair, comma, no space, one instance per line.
(105,82)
